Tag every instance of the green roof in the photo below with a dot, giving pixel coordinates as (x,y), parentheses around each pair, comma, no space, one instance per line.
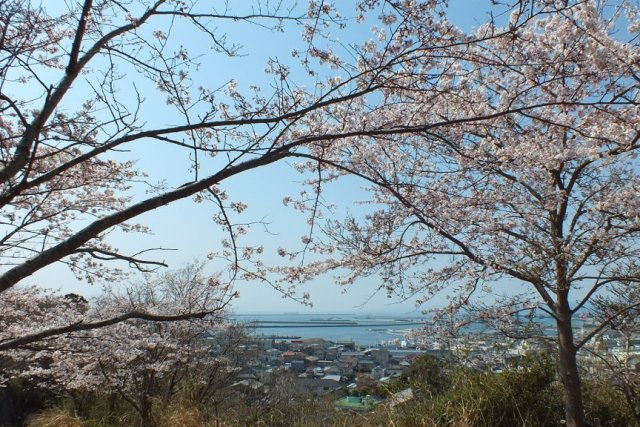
(357,402)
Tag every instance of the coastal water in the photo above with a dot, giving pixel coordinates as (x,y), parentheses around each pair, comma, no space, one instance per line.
(363,329)
(367,329)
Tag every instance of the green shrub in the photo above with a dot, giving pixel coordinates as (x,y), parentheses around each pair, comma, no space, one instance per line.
(430,376)
(605,402)
(526,396)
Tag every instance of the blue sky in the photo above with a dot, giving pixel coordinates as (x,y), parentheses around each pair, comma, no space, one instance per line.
(187,227)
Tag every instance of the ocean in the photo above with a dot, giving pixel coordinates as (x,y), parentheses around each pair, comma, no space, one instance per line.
(363,329)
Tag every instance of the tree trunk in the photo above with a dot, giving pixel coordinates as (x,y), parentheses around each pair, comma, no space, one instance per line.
(146,416)
(111,408)
(568,369)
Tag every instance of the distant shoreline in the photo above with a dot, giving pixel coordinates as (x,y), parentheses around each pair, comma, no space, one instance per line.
(268,325)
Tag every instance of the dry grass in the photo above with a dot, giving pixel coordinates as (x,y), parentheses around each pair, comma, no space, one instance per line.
(55,418)
(180,416)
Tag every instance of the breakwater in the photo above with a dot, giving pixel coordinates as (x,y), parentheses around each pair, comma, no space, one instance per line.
(363,329)
(265,324)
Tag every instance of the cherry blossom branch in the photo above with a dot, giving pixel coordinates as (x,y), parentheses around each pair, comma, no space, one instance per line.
(15,108)
(229,226)
(463,248)
(121,392)
(80,31)
(604,324)
(21,155)
(138,263)
(155,133)
(51,255)
(81,326)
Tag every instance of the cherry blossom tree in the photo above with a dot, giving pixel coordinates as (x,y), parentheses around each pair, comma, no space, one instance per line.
(74,83)
(64,121)
(513,189)
(135,359)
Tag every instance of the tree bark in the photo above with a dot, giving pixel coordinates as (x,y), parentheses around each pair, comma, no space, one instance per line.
(146,416)
(568,370)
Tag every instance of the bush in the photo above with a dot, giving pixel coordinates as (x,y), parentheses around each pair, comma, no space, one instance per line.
(608,404)
(430,376)
(21,398)
(526,396)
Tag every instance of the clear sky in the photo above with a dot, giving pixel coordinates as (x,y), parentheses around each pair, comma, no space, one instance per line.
(187,227)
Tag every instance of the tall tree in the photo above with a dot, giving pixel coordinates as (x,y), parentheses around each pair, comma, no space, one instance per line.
(82,86)
(526,198)
(87,87)
(74,79)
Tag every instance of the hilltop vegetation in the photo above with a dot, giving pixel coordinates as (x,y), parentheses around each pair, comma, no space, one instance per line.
(444,395)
